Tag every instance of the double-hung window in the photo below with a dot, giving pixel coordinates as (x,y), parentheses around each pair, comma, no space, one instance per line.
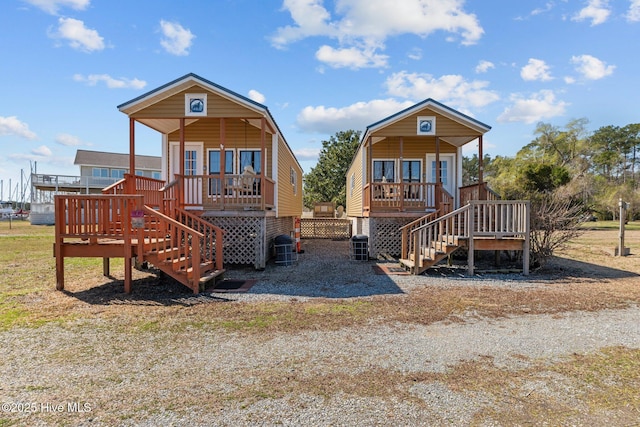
(215,184)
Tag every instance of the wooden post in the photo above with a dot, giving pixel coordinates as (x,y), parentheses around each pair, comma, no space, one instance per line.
(181,199)
(401,175)
(438,192)
(470,246)
(482,193)
(131,184)
(263,164)
(527,239)
(222,162)
(623,216)
(60,224)
(105,267)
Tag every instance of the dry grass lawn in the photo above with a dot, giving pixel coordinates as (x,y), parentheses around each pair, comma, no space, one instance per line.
(586,278)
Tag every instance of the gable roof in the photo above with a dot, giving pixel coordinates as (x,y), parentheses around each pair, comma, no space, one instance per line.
(168,89)
(159,91)
(436,106)
(116,160)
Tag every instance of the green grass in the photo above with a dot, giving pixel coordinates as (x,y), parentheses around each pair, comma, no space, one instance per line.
(610,225)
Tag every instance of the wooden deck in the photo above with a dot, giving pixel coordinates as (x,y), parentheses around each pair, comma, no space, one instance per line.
(185,247)
(480,225)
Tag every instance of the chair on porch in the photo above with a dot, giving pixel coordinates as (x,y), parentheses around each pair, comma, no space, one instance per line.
(248,180)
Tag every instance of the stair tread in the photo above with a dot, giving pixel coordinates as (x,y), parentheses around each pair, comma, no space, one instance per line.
(211,275)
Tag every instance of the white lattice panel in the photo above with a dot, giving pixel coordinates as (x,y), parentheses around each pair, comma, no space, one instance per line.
(385,235)
(243,239)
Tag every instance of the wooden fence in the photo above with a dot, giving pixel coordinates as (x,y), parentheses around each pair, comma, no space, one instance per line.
(325,228)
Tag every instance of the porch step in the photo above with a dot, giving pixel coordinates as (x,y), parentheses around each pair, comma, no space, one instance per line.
(212,275)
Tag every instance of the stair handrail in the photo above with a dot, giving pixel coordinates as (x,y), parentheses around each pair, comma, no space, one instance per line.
(178,235)
(170,196)
(115,188)
(440,231)
(212,241)
(405,231)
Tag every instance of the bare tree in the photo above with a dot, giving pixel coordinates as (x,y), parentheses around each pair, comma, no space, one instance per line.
(555,220)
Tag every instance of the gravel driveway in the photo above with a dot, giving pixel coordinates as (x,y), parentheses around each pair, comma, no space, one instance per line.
(230,379)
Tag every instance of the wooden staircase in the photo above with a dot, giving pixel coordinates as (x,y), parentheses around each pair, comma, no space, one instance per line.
(479,225)
(182,245)
(184,248)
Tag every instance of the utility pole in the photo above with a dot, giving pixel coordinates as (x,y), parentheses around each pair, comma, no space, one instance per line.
(622,251)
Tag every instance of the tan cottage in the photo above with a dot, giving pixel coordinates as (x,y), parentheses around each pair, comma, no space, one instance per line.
(226,171)
(404,190)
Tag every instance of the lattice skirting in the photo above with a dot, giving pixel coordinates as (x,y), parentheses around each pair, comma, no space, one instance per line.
(325,228)
(249,240)
(384,235)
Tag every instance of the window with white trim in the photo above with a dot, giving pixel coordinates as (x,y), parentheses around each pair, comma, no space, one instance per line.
(384,170)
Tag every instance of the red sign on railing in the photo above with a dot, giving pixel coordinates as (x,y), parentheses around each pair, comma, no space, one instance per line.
(137,219)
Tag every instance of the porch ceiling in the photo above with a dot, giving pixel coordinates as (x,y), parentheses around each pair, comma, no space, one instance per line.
(167,126)
(456,141)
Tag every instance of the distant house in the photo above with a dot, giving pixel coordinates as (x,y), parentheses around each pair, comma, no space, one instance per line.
(98,169)
(100,164)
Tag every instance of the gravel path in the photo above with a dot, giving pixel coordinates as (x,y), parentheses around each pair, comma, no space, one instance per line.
(224,363)
(197,369)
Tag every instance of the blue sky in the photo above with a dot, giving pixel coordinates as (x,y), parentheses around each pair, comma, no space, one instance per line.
(320,67)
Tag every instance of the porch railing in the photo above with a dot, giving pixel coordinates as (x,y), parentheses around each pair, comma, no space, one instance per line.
(406,196)
(95,216)
(477,192)
(479,218)
(234,191)
(149,188)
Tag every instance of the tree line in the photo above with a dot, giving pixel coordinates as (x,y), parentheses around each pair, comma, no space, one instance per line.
(593,170)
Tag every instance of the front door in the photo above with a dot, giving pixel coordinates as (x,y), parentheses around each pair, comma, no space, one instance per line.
(193,168)
(446,171)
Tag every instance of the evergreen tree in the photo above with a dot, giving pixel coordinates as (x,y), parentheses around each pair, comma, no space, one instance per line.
(327,180)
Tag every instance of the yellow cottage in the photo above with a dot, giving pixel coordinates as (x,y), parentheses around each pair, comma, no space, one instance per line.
(404,187)
(226,170)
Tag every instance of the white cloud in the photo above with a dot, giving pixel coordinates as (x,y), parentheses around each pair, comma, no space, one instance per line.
(597,11)
(484,66)
(12,126)
(415,54)
(52,6)
(257,96)
(536,69)
(591,67)
(112,83)
(177,40)
(448,89)
(352,57)
(540,106)
(68,140)
(307,153)
(539,11)
(78,36)
(366,24)
(42,151)
(633,14)
(330,120)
